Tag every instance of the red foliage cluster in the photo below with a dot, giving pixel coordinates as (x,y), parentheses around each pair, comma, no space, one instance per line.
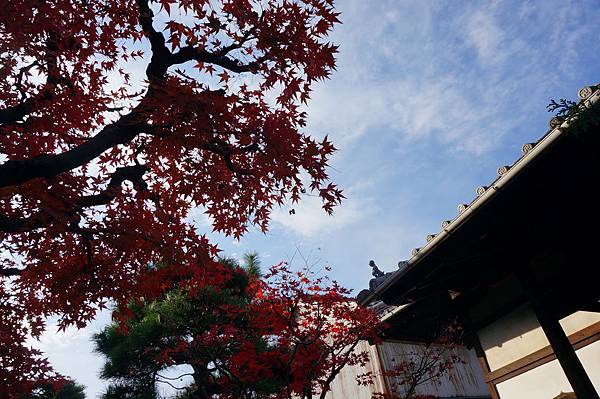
(289,341)
(21,365)
(318,323)
(98,177)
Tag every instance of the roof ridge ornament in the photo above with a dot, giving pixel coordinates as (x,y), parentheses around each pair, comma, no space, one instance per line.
(480,190)
(555,122)
(502,170)
(586,91)
(527,147)
(402,264)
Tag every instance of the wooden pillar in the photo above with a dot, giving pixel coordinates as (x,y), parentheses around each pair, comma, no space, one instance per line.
(387,386)
(485,367)
(570,363)
(473,338)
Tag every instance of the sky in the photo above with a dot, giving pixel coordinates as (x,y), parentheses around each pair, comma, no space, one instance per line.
(428,100)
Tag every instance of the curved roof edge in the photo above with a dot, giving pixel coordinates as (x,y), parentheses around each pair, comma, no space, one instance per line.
(589,95)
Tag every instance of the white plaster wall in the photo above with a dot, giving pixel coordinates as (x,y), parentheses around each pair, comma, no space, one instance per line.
(511,337)
(519,334)
(578,321)
(548,380)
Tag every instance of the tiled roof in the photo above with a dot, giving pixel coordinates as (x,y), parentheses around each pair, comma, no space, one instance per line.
(588,95)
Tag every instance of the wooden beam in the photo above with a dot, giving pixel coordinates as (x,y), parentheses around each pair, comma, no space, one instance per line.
(578,378)
(542,356)
(570,363)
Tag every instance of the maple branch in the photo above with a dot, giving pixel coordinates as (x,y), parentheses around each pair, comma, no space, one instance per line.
(219,58)
(223,149)
(42,219)
(19,83)
(17,112)
(133,173)
(14,172)
(335,370)
(20,225)
(159,63)
(190,53)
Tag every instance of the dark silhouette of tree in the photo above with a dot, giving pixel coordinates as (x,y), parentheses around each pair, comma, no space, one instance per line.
(56,390)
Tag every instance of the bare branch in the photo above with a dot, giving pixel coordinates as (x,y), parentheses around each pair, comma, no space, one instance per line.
(175,378)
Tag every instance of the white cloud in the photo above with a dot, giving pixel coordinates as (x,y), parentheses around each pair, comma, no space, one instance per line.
(483,32)
(394,79)
(310,219)
(411,109)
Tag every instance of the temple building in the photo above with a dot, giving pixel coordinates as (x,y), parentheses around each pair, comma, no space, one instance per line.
(518,269)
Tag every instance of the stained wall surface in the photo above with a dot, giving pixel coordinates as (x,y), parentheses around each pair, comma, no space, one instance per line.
(464,380)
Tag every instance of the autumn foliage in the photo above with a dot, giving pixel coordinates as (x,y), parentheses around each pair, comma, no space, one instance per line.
(285,336)
(100,167)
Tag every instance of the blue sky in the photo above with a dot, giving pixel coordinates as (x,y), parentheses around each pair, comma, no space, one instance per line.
(429,98)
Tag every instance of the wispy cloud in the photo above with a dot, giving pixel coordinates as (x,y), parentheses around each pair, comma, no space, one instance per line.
(445,73)
(308,218)
(483,32)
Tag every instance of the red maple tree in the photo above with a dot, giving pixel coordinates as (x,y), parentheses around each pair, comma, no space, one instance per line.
(97,178)
(285,336)
(320,326)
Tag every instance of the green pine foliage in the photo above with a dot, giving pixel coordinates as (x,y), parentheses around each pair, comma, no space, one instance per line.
(70,390)
(134,363)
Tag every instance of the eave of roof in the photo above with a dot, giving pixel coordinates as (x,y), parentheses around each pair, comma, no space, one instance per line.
(506,174)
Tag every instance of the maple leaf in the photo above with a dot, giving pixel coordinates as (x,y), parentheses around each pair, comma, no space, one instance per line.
(210,69)
(166,5)
(224,76)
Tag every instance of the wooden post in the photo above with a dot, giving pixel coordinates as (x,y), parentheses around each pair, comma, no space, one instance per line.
(570,363)
(471,333)
(387,388)
(485,367)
